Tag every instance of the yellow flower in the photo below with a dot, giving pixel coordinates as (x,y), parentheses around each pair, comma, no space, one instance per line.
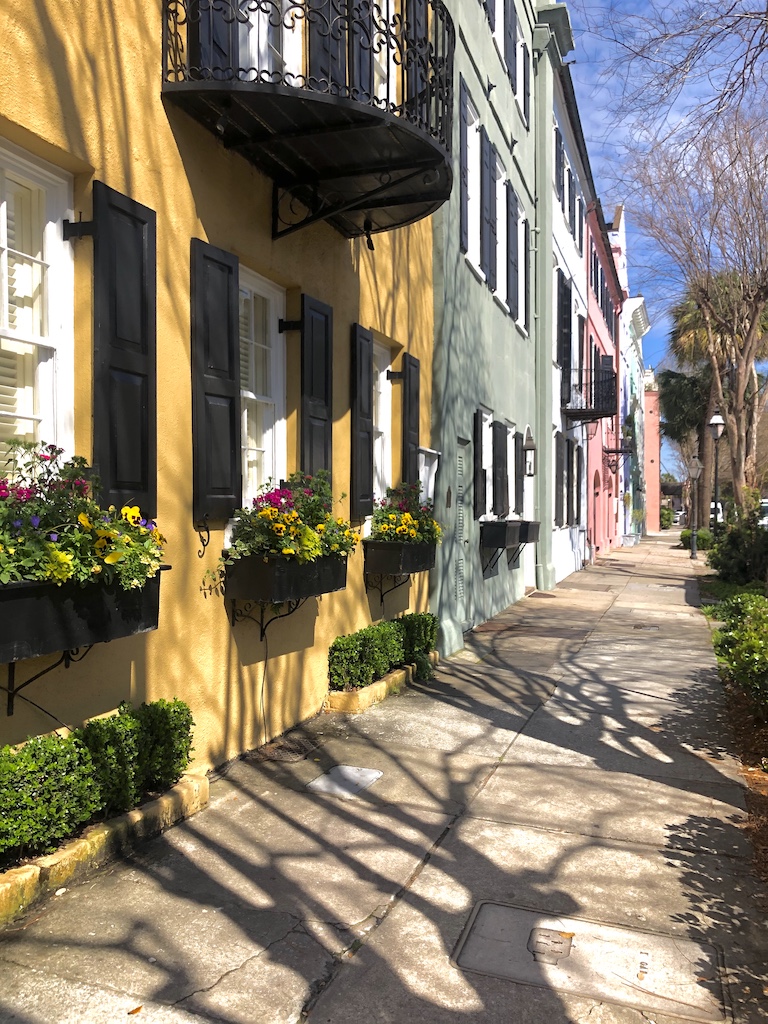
(385,527)
(340,521)
(392,517)
(321,527)
(279,529)
(334,547)
(113,556)
(131,512)
(412,532)
(96,569)
(289,551)
(402,529)
(85,521)
(100,544)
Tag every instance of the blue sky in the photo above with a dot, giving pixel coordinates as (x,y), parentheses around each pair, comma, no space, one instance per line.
(596,95)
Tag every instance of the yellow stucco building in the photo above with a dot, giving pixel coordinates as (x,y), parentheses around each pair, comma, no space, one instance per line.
(240,172)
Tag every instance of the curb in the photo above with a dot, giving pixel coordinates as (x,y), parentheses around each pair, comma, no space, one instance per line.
(21,887)
(354,702)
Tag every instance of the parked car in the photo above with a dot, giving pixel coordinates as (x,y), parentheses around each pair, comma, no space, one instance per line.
(679,517)
(763,520)
(719,518)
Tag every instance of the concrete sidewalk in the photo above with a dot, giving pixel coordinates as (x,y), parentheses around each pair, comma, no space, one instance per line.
(572,764)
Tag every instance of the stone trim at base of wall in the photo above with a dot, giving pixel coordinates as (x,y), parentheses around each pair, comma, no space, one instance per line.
(354,702)
(20,887)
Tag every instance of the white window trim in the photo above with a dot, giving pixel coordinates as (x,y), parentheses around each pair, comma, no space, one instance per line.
(502,257)
(276,296)
(487,465)
(382,445)
(56,376)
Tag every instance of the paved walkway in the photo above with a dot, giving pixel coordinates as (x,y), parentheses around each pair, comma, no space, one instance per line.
(573,760)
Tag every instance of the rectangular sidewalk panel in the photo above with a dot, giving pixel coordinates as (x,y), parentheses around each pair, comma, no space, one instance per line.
(659,973)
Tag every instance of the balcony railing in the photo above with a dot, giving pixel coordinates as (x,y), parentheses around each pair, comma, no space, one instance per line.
(589,395)
(314,92)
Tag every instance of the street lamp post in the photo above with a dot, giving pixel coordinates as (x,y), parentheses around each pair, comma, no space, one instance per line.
(716,427)
(694,472)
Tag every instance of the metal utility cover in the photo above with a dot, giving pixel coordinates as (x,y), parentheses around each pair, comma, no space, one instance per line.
(652,972)
(344,780)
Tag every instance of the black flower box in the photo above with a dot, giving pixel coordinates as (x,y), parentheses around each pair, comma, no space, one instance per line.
(503,533)
(42,618)
(396,558)
(279,580)
(529,532)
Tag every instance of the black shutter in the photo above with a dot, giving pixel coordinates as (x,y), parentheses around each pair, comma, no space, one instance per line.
(519,473)
(526,84)
(606,386)
(571,203)
(569,481)
(579,481)
(463,168)
(564,336)
(492,224)
(559,167)
(213,41)
(527,289)
(479,499)
(500,470)
(361,51)
(510,41)
(411,417)
(490,9)
(513,255)
(327,37)
(216,465)
(124,340)
(486,191)
(559,478)
(417,39)
(316,385)
(361,403)
(581,226)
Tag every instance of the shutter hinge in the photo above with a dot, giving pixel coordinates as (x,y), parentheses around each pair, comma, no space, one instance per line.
(288,325)
(72,229)
(395,375)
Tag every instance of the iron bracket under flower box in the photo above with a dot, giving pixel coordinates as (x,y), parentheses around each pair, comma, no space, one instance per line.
(38,618)
(396,558)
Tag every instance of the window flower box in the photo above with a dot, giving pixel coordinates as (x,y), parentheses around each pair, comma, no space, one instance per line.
(276,580)
(39,618)
(501,533)
(529,531)
(397,558)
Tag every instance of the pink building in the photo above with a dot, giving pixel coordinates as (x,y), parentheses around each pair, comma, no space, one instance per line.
(652,454)
(600,343)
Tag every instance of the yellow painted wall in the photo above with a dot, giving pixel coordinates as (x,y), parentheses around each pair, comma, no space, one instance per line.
(80,85)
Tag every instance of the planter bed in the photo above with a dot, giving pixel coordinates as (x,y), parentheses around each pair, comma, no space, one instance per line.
(396,558)
(280,580)
(503,533)
(354,702)
(99,844)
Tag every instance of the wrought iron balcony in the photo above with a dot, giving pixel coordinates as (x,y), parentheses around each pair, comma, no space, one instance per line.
(346,104)
(589,395)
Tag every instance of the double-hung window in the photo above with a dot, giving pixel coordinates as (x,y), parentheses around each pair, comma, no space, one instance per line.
(262,383)
(469,177)
(36,304)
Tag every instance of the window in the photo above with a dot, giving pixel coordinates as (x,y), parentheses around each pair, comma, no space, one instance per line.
(36,304)
(382,421)
(262,383)
(483,463)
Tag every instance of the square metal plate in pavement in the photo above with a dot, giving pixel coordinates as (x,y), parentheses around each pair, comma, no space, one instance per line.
(652,972)
(344,780)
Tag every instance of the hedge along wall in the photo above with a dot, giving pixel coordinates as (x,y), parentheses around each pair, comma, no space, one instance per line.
(52,785)
(367,655)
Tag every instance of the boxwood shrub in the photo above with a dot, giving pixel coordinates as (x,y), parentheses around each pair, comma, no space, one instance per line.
(52,785)
(361,658)
(742,644)
(703,539)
